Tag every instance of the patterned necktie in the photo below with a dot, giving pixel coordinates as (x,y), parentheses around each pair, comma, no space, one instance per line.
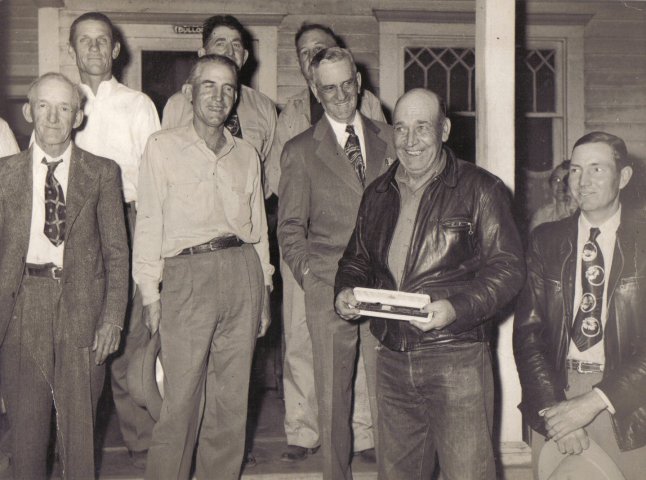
(353,152)
(54,205)
(587,329)
(233,124)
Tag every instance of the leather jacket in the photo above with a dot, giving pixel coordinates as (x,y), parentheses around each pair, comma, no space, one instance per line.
(545,309)
(464,248)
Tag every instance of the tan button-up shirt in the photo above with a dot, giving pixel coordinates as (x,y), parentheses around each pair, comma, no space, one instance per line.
(188,195)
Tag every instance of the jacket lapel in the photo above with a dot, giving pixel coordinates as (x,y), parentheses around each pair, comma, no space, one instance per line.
(375,150)
(333,157)
(568,275)
(19,187)
(79,186)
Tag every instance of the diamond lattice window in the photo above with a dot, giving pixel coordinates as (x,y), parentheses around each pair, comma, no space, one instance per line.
(448,71)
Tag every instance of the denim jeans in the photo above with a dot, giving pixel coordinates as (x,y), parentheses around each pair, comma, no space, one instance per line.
(436,400)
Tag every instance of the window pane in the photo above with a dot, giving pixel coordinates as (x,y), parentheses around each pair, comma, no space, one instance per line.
(447,71)
(536,81)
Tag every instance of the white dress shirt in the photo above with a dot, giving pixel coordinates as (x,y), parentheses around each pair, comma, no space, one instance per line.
(342,136)
(41,250)
(118,122)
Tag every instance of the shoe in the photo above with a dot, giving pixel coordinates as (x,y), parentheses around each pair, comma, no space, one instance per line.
(249,460)
(294,453)
(368,455)
(138,459)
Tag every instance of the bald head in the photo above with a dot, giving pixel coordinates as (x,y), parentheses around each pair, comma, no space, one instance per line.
(424,99)
(421,127)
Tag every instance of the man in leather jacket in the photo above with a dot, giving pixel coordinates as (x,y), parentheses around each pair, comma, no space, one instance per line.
(581,353)
(438,225)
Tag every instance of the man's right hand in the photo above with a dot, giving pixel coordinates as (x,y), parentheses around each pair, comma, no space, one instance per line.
(574,443)
(345,304)
(152,316)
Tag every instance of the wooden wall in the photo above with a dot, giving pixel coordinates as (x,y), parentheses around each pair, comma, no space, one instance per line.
(615,74)
(615,46)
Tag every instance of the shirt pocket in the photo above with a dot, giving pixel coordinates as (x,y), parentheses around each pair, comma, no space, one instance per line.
(457,235)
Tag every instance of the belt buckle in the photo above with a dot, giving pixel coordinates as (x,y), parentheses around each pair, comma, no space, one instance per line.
(579,368)
(56,272)
(212,246)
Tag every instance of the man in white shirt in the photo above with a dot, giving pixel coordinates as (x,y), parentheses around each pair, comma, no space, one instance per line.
(119,121)
(579,330)
(254,116)
(64,283)
(324,171)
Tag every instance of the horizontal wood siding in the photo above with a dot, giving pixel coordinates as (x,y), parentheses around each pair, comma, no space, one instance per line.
(19,46)
(615,47)
(615,74)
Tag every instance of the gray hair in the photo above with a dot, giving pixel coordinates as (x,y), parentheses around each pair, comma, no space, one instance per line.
(332,55)
(78,94)
(213,58)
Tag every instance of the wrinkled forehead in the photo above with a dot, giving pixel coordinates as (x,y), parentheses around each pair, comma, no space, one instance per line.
(55,90)
(224,32)
(333,69)
(215,72)
(92,26)
(417,109)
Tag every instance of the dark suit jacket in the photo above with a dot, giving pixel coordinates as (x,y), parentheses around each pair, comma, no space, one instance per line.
(96,257)
(319,195)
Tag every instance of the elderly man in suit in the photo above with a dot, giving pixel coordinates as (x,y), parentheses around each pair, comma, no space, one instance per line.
(324,172)
(301,410)
(64,283)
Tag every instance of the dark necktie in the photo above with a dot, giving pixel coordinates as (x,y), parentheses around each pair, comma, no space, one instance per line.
(587,329)
(54,205)
(233,124)
(353,151)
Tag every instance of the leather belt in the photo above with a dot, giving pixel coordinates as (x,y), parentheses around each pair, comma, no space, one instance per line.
(213,245)
(48,270)
(584,367)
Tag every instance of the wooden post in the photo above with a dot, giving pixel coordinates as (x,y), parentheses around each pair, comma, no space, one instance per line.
(495,67)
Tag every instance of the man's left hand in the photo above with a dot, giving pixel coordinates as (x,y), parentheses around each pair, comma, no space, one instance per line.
(440,314)
(265,316)
(106,341)
(570,415)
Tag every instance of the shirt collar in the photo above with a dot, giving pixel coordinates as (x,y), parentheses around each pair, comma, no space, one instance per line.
(402,176)
(105,88)
(339,128)
(192,138)
(610,226)
(39,153)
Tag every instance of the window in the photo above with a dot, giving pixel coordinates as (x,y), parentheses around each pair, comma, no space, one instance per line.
(549,90)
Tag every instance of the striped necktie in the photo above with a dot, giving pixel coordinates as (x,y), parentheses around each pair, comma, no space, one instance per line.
(353,152)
